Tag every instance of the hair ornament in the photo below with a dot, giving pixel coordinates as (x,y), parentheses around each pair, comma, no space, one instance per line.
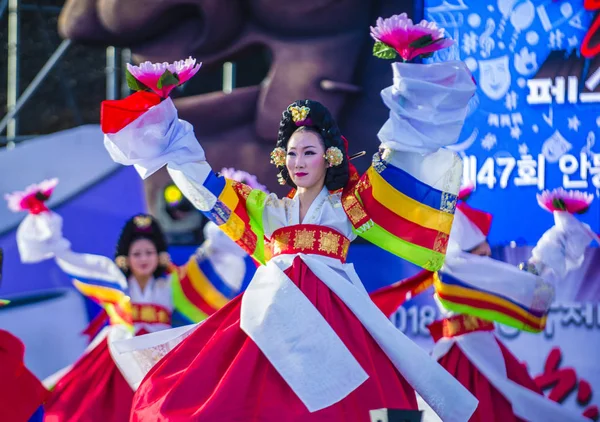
(300,115)
(142,221)
(334,156)
(121,262)
(278,157)
(164,259)
(281,179)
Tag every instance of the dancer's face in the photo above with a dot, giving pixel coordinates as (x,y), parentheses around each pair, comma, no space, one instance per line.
(483,249)
(305,159)
(143,258)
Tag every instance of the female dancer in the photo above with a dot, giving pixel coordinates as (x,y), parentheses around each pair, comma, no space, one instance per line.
(139,292)
(473,290)
(304,342)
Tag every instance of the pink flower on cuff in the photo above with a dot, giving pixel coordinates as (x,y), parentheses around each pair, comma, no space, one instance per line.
(574,202)
(408,40)
(32,199)
(161,78)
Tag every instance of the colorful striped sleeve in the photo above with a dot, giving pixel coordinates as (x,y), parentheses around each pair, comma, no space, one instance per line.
(494,291)
(238,211)
(99,279)
(402,214)
(199,291)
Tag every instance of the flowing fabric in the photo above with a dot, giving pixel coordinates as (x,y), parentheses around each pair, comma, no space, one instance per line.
(21,393)
(493,406)
(93,390)
(219,364)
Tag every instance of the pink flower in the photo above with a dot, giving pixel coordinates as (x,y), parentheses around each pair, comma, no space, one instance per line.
(161,77)
(32,198)
(409,41)
(574,202)
(243,177)
(466,191)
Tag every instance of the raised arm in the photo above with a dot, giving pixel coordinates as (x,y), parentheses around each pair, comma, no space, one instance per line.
(405,202)
(561,249)
(157,138)
(39,237)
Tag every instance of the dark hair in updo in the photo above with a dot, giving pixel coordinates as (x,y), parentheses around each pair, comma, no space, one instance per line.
(132,232)
(326,127)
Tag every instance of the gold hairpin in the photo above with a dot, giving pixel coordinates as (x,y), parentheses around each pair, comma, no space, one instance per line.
(142,221)
(299,114)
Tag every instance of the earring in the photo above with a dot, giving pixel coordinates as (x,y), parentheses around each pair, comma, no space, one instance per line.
(121,262)
(164,259)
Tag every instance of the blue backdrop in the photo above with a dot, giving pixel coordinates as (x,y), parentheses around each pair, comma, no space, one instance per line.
(537,121)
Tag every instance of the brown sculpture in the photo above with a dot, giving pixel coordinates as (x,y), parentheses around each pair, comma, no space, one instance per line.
(321,49)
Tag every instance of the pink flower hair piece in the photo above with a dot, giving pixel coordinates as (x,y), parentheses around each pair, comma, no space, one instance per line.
(408,40)
(573,202)
(32,198)
(162,78)
(243,177)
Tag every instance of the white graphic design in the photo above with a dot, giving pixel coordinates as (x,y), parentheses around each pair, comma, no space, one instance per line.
(550,117)
(448,6)
(510,101)
(575,21)
(462,146)
(555,39)
(474,20)
(598,121)
(469,42)
(505,120)
(515,132)
(489,141)
(494,77)
(521,82)
(526,62)
(589,143)
(521,19)
(486,42)
(532,38)
(573,41)
(506,8)
(574,123)
(494,120)
(471,64)
(523,149)
(555,147)
(535,128)
(517,119)
(566,11)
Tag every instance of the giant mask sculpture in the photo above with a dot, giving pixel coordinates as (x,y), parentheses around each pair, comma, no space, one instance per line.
(320,49)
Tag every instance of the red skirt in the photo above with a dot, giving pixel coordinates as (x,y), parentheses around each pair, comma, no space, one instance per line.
(21,393)
(219,374)
(493,407)
(92,391)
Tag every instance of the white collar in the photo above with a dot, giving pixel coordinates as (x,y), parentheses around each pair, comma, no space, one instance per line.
(312,210)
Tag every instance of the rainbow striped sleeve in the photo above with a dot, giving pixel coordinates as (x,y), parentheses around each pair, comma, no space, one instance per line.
(238,211)
(465,297)
(4,302)
(109,295)
(401,214)
(199,291)
(98,278)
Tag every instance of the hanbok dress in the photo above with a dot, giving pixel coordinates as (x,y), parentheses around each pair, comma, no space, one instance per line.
(305,342)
